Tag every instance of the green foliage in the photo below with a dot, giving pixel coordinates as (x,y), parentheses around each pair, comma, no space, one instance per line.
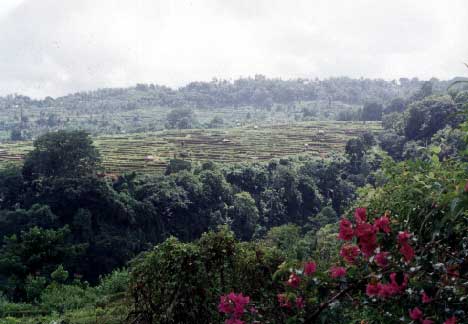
(62,154)
(372,111)
(32,252)
(424,118)
(60,298)
(180,119)
(194,274)
(244,214)
(11,186)
(114,283)
(59,275)
(420,194)
(176,165)
(289,242)
(326,216)
(34,286)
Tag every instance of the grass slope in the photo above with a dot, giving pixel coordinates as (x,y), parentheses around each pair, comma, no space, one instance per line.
(150,152)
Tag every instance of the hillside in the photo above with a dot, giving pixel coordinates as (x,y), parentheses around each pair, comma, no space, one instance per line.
(150,152)
(256,100)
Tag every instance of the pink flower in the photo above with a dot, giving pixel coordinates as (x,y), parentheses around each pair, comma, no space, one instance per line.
(233,304)
(372,290)
(416,314)
(234,320)
(300,302)
(427,321)
(283,301)
(451,320)
(403,237)
(386,290)
(425,298)
(225,305)
(309,268)
(349,253)
(407,251)
(381,259)
(367,236)
(346,230)
(399,281)
(383,224)
(397,285)
(293,280)
(360,215)
(337,272)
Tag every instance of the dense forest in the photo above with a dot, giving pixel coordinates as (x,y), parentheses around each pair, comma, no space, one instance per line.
(252,241)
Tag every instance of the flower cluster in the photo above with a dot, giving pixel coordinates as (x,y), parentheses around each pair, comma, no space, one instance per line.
(398,283)
(417,315)
(234,305)
(365,233)
(375,258)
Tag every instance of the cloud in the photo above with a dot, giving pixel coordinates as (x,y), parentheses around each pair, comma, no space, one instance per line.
(53,47)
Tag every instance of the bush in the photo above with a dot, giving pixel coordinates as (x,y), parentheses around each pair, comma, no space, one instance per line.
(180,282)
(114,283)
(60,298)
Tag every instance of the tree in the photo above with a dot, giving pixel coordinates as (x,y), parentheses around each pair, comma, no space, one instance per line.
(244,214)
(424,118)
(372,111)
(216,122)
(393,144)
(16,134)
(67,154)
(180,118)
(396,105)
(356,150)
(177,165)
(326,216)
(34,252)
(424,91)
(11,186)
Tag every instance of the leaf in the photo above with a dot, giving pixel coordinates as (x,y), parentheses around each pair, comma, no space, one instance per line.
(435,149)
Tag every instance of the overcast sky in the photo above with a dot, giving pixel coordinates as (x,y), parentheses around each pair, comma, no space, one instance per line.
(54,47)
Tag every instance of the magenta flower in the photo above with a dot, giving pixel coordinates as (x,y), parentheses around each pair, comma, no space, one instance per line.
(346,230)
(300,302)
(381,259)
(383,224)
(337,272)
(451,320)
(425,298)
(310,268)
(283,301)
(293,280)
(416,314)
(233,304)
(360,215)
(372,290)
(349,253)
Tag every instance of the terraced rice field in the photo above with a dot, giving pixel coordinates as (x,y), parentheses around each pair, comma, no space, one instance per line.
(150,152)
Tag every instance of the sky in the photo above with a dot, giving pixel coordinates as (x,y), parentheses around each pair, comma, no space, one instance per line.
(56,47)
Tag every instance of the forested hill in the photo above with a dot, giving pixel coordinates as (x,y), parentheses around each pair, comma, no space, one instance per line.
(215,104)
(258,92)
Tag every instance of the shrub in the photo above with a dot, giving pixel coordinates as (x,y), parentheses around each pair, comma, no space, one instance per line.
(60,298)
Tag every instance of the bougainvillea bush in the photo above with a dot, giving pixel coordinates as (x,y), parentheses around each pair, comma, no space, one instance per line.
(408,264)
(401,256)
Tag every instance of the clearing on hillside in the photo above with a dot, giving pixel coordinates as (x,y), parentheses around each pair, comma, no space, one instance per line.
(150,152)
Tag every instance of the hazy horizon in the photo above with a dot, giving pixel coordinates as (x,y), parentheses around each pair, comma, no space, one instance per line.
(52,47)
